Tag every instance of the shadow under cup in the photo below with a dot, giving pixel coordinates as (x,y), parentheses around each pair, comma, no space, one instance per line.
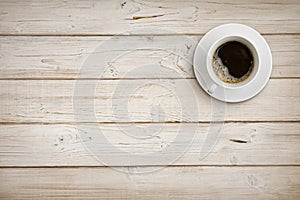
(210,59)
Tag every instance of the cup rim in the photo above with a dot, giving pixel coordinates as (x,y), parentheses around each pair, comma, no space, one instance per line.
(212,74)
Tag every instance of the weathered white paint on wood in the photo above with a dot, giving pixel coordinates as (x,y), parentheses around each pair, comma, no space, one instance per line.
(62,57)
(238,144)
(146,100)
(31,104)
(114,17)
(169,183)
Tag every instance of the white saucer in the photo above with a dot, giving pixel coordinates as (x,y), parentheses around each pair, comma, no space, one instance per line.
(222,92)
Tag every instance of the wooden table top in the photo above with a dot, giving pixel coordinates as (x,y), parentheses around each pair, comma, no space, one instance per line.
(145,97)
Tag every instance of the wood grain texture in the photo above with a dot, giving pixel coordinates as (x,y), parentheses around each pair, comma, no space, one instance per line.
(43,45)
(114,17)
(167,100)
(238,144)
(169,183)
(62,57)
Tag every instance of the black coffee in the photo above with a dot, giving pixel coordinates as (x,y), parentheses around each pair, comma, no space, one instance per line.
(233,62)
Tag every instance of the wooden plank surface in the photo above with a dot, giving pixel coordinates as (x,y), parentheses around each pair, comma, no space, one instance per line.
(62,57)
(238,144)
(52,101)
(44,44)
(114,17)
(169,183)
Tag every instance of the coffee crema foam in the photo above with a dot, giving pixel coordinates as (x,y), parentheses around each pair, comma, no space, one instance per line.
(223,73)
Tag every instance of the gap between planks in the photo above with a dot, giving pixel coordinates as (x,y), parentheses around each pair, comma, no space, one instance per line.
(148,166)
(123,35)
(145,123)
(111,79)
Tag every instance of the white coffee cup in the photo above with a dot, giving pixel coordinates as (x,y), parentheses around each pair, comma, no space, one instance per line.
(217,82)
(251,84)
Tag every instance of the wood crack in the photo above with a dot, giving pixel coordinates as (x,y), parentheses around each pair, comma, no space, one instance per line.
(143,17)
(238,141)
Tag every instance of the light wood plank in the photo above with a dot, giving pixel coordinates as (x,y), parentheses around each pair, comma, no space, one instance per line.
(169,183)
(238,144)
(62,57)
(140,101)
(114,17)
